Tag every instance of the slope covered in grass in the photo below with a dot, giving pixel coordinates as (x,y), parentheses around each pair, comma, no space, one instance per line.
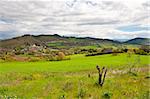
(75,85)
(77,63)
(70,79)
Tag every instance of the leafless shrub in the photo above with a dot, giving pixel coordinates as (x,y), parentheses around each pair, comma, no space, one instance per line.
(102,75)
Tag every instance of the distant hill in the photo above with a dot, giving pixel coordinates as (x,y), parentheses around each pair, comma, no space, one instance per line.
(139,41)
(56,41)
(20,41)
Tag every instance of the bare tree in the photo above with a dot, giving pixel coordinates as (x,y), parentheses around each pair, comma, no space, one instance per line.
(102,75)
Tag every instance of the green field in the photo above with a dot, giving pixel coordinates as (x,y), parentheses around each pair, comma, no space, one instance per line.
(77,63)
(69,79)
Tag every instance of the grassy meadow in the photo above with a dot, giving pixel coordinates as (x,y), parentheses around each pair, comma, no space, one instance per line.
(127,78)
(77,63)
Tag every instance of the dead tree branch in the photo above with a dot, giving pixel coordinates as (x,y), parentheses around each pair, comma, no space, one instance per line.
(102,75)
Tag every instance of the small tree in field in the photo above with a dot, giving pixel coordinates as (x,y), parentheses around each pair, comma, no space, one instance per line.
(102,75)
(61,56)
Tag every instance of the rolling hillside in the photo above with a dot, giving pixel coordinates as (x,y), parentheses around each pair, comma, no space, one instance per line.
(56,41)
(140,41)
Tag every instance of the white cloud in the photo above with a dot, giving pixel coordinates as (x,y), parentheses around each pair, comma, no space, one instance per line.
(95,18)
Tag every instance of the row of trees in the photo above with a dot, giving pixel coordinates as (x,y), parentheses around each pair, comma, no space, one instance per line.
(143,50)
(57,56)
(37,53)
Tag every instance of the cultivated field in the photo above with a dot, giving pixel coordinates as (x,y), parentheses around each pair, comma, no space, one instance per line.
(127,78)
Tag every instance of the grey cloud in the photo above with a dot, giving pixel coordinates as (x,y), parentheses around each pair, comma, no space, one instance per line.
(65,16)
(146,4)
(71,14)
(91,3)
(99,22)
(7,34)
(7,20)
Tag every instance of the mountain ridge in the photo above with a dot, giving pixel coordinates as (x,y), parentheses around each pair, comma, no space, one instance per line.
(49,40)
(139,40)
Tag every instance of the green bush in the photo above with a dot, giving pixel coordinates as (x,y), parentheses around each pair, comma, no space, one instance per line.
(107,95)
(141,52)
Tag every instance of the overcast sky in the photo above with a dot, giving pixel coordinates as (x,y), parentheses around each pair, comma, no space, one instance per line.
(112,19)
